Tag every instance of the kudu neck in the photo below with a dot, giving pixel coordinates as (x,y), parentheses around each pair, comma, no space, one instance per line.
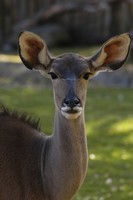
(64,125)
(68,155)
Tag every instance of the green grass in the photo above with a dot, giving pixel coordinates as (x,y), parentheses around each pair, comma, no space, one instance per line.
(109,125)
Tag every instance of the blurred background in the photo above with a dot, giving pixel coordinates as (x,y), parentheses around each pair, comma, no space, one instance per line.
(79,26)
(77,22)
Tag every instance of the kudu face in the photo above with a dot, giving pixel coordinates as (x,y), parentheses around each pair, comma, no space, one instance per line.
(70,72)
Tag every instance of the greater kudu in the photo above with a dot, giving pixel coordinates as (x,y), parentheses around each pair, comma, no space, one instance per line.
(34,166)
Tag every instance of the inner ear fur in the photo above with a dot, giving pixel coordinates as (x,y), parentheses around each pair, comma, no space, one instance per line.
(33,51)
(113,53)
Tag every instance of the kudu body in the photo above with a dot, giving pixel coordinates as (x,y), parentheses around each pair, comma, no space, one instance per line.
(38,167)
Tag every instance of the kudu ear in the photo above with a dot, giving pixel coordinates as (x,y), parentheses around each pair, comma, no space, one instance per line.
(33,52)
(112,54)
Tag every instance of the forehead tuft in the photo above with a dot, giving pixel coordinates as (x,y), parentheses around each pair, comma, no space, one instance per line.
(69,65)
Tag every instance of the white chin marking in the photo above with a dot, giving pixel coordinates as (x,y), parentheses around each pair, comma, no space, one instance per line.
(71,116)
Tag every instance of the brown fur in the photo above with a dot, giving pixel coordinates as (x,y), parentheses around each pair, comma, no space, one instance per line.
(23,117)
(112,50)
(34,47)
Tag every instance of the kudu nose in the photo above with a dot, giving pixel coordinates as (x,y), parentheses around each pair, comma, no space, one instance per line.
(71,102)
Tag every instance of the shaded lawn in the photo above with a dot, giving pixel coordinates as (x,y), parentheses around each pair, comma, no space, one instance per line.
(109,125)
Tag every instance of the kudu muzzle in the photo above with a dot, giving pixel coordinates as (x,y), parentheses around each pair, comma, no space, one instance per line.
(71,105)
(71,100)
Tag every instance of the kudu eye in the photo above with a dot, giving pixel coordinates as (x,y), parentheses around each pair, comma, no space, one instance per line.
(86,76)
(53,75)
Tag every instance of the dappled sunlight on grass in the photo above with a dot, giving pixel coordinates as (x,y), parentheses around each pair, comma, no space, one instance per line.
(123,126)
(109,125)
(9,58)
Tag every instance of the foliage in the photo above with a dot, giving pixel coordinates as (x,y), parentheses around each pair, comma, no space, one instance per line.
(109,118)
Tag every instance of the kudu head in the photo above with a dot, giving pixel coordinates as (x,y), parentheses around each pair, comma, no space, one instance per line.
(70,72)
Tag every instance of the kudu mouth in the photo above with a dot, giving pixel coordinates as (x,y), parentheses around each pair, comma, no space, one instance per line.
(71,113)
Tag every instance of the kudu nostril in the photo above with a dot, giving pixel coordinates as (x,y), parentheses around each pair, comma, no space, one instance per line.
(76,101)
(71,102)
(66,101)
